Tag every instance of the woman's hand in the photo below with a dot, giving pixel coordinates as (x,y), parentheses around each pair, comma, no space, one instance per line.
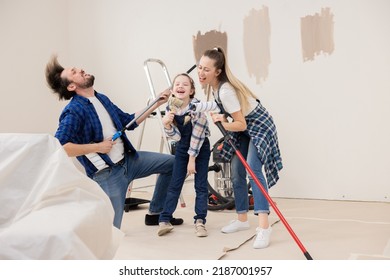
(238,123)
(218,117)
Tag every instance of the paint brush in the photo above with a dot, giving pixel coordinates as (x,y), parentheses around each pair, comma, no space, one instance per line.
(174,104)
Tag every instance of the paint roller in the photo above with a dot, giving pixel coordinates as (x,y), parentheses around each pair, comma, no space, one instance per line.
(209,106)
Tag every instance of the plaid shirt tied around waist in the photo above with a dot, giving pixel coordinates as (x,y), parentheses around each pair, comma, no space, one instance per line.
(262,132)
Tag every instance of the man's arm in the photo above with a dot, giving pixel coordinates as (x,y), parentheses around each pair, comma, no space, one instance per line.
(163,97)
(74,150)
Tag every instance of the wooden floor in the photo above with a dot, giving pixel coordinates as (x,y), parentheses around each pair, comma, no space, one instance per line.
(327,230)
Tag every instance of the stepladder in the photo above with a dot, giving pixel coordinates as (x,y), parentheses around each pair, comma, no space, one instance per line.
(157,76)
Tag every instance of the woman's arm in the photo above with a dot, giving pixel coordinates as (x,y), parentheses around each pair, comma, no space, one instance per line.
(238,124)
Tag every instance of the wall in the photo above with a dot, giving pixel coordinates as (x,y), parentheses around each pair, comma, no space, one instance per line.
(30,31)
(331,112)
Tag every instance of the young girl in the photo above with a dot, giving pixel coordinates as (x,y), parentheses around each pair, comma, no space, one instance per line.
(253,133)
(192,154)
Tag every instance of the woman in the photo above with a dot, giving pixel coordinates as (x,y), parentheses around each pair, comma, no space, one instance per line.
(253,133)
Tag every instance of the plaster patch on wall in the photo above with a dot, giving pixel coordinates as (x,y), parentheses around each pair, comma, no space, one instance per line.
(317,34)
(257,31)
(207,41)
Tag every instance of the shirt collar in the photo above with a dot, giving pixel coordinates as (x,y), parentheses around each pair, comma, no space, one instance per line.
(83,99)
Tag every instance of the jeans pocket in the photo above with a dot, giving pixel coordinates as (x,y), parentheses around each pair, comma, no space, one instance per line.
(102,175)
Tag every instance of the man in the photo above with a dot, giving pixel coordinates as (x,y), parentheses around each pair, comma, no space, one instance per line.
(86,127)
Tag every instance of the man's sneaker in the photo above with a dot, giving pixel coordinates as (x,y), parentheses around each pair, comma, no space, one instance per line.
(235,225)
(200,228)
(164,228)
(262,238)
(176,221)
(152,220)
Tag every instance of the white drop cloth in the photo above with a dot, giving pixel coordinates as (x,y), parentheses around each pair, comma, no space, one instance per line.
(48,208)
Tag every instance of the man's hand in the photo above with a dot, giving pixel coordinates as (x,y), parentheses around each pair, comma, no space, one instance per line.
(105,146)
(163,97)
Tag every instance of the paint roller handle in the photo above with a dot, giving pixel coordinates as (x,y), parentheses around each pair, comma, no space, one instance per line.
(117,135)
(192,68)
(120,132)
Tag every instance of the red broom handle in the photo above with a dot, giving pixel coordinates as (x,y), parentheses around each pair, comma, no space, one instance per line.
(262,189)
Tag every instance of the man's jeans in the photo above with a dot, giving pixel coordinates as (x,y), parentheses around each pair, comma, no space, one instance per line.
(115,180)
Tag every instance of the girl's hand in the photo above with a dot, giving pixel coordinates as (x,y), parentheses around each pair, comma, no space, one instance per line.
(168,119)
(191,166)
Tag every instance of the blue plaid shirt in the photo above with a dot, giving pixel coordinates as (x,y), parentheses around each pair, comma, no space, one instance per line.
(80,124)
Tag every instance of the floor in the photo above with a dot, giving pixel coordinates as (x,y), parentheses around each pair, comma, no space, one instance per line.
(326,230)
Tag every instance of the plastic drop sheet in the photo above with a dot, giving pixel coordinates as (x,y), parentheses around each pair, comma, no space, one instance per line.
(48,208)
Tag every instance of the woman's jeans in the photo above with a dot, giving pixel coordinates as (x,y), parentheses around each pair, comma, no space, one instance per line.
(115,180)
(239,175)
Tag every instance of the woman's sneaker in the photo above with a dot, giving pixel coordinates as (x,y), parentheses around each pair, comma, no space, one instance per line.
(262,238)
(164,227)
(235,225)
(200,228)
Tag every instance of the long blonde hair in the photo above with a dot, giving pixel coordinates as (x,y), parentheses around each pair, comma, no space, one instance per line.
(243,92)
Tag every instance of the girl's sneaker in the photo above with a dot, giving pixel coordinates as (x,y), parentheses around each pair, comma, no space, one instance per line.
(200,228)
(164,227)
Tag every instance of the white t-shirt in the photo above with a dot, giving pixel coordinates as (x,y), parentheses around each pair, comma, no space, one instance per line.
(117,151)
(228,98)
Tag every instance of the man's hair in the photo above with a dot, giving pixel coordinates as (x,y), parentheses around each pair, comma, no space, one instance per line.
(55,82)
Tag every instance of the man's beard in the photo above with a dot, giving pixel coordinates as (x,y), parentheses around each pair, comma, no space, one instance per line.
(89,82)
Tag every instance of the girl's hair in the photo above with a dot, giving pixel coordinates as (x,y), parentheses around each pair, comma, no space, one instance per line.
(243,92)
(191,81)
